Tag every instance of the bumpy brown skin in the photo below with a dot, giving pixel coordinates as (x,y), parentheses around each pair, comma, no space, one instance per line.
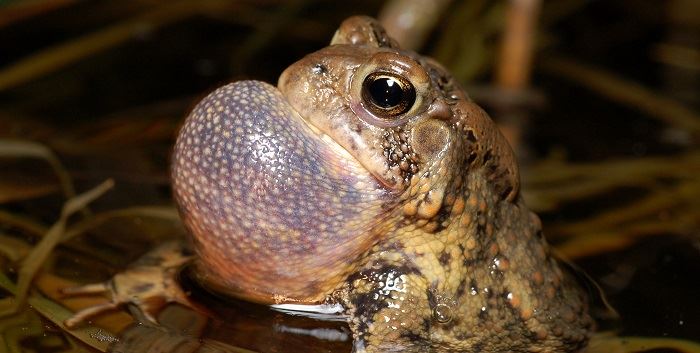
(413,222)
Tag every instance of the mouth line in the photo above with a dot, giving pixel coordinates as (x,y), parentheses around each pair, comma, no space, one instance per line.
(342,151)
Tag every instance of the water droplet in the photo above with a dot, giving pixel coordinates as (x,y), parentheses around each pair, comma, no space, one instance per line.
(442,313)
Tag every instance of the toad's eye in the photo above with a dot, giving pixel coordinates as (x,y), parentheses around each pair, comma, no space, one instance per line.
(388,95)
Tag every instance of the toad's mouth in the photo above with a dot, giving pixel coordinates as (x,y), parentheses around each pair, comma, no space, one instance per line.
(337,149)
(342,142)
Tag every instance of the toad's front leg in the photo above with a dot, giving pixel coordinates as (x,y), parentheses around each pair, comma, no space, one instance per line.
(149,284)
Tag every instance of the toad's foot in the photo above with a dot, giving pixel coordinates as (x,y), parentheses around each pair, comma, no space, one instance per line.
(149,284)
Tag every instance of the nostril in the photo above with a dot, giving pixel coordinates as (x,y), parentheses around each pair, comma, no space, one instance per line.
(319,69)
(440,109)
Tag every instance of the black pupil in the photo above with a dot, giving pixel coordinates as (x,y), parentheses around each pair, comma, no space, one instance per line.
(386,92)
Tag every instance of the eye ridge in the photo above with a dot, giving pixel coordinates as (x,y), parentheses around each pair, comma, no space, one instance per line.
(387,94)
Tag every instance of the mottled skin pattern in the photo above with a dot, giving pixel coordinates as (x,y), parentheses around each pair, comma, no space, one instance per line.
(412,221)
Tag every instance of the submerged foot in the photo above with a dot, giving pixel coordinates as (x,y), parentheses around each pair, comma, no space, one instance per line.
(148,284)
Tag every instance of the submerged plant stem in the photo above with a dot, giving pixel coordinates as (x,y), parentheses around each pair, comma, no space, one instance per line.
(36,258)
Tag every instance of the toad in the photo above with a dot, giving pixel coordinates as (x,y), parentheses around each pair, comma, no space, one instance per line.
(368,178)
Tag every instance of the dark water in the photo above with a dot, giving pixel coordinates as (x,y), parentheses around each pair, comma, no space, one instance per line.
(653,285)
